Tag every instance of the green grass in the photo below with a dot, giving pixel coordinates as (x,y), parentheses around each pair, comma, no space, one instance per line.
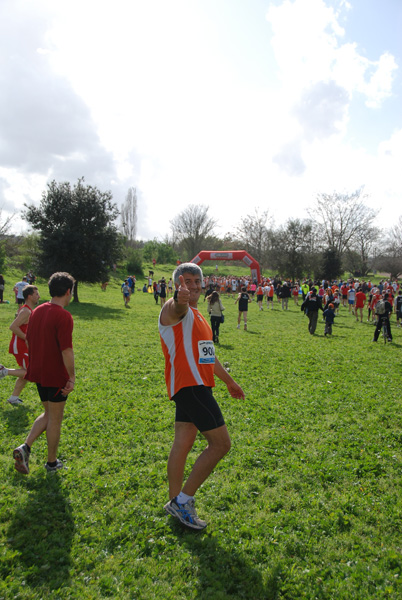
(306,505)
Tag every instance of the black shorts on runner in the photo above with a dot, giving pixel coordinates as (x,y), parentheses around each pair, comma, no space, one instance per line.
(50,394)
(196,404)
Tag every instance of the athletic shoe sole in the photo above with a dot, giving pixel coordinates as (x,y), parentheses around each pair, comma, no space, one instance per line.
(20,465)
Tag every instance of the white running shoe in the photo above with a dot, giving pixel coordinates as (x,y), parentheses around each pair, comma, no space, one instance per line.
(13,400)
(186,513)
(3,371)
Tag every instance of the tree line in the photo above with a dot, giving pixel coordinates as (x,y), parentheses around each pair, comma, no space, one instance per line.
(76,229)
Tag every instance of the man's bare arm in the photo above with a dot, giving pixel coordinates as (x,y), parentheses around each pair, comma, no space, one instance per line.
(21,319)
(174,310)
(234,389)
(68,360)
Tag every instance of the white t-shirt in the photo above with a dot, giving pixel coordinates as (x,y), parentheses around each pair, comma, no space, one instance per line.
(19,287)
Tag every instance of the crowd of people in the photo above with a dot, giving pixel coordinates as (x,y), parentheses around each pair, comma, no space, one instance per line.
(380,301)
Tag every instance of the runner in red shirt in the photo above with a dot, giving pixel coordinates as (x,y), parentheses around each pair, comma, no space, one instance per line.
(51,367)
(360,302)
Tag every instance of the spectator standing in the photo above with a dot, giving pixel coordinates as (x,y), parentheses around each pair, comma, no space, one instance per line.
(19,286)
(311,306)
(215,309)
(383,310)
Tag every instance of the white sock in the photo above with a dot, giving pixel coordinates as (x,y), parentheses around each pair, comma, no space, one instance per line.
(13,397)
(183,498)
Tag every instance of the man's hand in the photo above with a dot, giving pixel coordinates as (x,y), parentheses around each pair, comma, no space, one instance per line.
(68,388)
(235,390)
(183,293)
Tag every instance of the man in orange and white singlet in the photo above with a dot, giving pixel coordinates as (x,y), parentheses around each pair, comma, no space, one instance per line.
(190,366)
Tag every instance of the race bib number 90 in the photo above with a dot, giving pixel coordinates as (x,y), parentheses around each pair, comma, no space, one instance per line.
(206,352)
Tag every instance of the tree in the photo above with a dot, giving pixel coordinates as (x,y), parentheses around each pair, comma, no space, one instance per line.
(254,236)
(77,231)
(331,264)
(293,248)
(340,217)
(389,258)
(191,228)
(359,256)
(128,215)
(5,225)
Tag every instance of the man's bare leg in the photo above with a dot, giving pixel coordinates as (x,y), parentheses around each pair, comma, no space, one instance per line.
(14,372)
(53,429)
(185,434)
(218,445)
(39,425)
(19,386)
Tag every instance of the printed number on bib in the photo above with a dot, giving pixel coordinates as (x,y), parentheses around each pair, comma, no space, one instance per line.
(206,352)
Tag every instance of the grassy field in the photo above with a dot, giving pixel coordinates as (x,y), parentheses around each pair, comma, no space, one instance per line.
(306,505)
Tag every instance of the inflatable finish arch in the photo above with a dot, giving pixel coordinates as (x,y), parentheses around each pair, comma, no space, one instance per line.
(231,255)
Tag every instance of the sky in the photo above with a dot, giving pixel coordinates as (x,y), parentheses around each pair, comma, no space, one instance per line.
(244,106)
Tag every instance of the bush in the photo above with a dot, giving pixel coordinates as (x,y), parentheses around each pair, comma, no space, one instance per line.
(134,262)
(162,252)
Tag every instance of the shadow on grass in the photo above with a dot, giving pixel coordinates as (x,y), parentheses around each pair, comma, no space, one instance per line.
(95,311)
(18,418)
(41,533)
(224,346)
(223,573)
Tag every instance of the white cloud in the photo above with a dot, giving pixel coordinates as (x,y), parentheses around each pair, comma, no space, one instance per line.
(148,94)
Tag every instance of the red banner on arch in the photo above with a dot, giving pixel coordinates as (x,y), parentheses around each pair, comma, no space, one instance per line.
(241,255)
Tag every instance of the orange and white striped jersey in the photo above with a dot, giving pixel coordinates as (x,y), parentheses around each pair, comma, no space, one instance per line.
(189,352)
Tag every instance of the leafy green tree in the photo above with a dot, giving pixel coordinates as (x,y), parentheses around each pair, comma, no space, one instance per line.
(77,231)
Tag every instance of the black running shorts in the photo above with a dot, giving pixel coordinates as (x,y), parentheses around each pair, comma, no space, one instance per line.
(197,405)
(50,394)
